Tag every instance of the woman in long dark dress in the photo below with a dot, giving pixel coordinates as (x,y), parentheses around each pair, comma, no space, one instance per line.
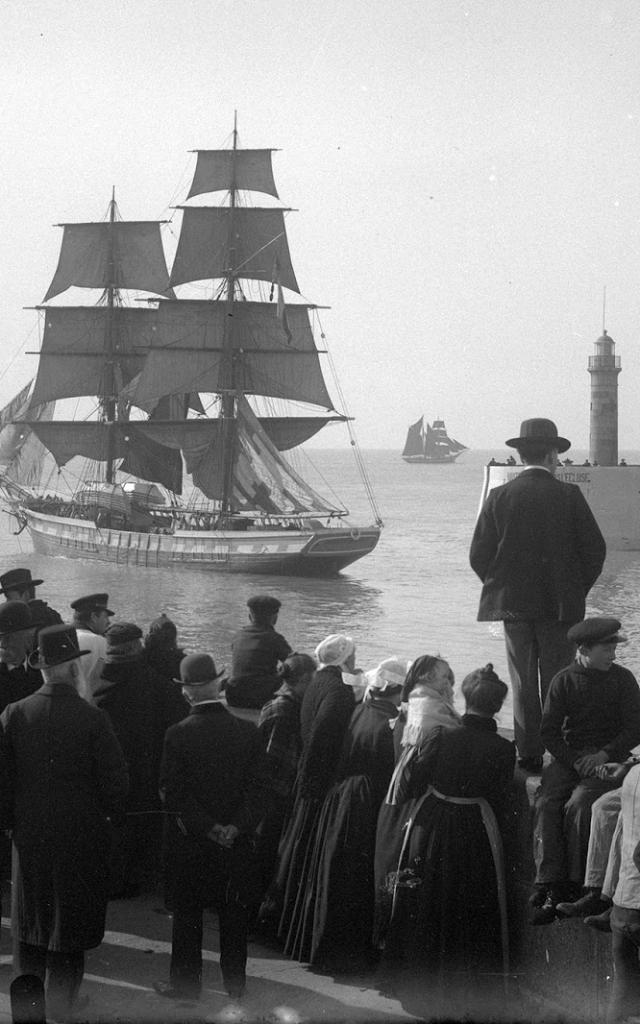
(448,923)
(326,709)
(427,704)
(337,929)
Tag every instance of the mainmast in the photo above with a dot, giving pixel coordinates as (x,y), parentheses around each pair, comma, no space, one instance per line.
(109,392)
(228,398)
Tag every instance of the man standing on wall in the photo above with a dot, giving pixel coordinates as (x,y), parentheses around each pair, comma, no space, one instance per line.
(538,551)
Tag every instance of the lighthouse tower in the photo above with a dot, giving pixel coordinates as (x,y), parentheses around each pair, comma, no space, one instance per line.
(604,367)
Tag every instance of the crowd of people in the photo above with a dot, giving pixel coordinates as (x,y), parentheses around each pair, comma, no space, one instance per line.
(358,819)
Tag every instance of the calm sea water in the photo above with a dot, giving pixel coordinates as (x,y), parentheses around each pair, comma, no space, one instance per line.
(415,594)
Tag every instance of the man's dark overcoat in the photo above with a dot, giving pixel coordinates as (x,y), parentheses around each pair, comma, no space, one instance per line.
(17,683)
(213,772)
(62,772)
(141,705)
(537,549)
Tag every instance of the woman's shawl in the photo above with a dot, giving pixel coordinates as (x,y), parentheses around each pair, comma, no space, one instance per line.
(425,714)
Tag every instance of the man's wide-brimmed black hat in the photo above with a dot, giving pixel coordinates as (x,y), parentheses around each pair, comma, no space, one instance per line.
(56,644)
(17,579)
(536,432)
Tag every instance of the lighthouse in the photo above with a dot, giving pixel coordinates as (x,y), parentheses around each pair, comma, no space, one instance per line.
(604,367)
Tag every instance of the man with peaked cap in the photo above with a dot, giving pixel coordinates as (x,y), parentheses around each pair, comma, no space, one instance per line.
(591,716)
(213,780)
(91,620)
(62,774)
(141,705)
(256,651)
(538,551)
(17,585)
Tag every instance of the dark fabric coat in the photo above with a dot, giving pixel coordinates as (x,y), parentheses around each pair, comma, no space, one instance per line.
(141,706)
(17,683)
(62,773)
(589,710)
(537,549)
(256,651)
(163,660)
(327,707)
(338,924)
(213,772)
(449,917)
(43,614)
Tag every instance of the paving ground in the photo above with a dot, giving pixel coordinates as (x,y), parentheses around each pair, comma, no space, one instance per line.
(120,974)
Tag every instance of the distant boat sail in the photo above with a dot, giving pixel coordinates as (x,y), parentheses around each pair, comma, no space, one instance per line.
(431,443)
(184,387)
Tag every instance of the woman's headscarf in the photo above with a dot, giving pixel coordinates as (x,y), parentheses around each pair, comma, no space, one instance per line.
(391,672)
(334,650)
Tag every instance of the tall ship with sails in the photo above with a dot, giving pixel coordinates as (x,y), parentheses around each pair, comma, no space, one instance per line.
(431,443)
(195,401)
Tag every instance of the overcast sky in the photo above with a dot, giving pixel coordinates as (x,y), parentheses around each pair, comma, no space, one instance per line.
(466,177)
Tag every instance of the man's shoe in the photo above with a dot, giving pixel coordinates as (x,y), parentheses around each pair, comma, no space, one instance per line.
(234,987)
(530,765)
(538,896)
(545,913)
(171,991)
(589,904)
(601,922)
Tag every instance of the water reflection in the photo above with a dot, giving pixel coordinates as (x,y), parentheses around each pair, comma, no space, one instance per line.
(617,593)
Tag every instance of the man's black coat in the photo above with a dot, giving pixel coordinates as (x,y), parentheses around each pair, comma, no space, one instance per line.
(537,549)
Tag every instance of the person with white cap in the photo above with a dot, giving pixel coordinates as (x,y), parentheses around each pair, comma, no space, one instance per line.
(591,717)
(538,550)
(326,709)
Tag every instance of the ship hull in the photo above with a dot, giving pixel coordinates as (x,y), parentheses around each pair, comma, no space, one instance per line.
(426,459)
(313,552)
(613,494)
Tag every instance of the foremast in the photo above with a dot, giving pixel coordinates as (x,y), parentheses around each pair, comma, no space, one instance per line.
(228,381)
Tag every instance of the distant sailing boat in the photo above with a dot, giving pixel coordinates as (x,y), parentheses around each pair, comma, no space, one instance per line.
(431,443)
(181,380)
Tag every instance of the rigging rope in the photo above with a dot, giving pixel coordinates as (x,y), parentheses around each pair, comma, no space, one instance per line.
(352,436)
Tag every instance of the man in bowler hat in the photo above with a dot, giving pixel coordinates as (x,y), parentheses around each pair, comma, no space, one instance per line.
(538,551)
(213,780)
(62,773)
(18,585)
(18,677)
(591,716)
